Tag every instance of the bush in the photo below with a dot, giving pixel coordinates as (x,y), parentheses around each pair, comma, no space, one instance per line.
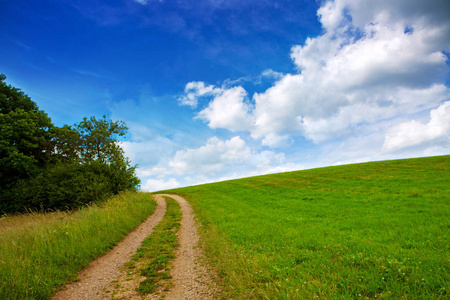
(67,186)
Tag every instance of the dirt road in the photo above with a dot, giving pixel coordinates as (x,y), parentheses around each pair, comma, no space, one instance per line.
(191,278)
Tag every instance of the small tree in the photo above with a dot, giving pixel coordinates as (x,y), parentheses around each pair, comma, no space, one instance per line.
(98,139)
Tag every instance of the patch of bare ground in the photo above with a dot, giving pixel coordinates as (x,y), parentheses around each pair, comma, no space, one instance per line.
(191,277)
(97,277)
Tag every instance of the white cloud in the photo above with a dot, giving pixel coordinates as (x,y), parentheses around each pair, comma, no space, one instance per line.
(376,61)
(276,141)
(269,73)
(144,152)
(211,157)
(370,87)
(431,13)
(267,162)
(153,185)
(218,160)
(413,133)
(356,72)
(228,110)
(194,90)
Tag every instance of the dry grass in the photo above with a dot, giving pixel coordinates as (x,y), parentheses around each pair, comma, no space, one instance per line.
(42,251)
(18,223)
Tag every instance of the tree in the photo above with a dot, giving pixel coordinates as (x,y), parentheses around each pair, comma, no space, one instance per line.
(98,139)
(25,140)
(45,166)
(98,142)
(67,143)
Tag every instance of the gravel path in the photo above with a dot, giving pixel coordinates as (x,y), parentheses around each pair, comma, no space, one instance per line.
(190,275)
(99,274)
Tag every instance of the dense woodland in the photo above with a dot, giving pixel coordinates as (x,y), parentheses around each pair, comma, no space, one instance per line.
(43,166)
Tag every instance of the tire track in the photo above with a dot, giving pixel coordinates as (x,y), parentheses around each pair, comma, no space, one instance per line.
(190,276)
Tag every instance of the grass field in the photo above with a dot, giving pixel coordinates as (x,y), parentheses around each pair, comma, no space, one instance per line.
(375,230)
(39,252)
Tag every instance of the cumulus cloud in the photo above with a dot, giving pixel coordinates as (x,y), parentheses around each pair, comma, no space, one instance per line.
(210,157)
(216,160)
(220,160)
(228,110)
(414,133)
(373,84)
(366,67)
(375,61)
(194,90)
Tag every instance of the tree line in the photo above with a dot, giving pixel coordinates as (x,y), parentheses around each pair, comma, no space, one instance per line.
(43,166)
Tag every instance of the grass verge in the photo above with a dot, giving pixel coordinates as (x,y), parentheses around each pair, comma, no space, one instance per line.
(40,252)
(157,251)
(364,231)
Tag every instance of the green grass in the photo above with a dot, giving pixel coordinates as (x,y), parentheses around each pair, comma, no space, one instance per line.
(375,230)
(40,252)
(157,250)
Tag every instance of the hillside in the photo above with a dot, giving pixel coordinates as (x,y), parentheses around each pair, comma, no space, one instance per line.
(376,230)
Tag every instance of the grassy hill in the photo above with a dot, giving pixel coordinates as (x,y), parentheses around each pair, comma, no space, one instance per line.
(372,230)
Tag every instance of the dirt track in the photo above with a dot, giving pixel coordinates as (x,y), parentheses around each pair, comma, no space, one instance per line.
(191,279)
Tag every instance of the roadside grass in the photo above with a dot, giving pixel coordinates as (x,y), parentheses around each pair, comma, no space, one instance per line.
(41,252)
(157,251)
(377,230)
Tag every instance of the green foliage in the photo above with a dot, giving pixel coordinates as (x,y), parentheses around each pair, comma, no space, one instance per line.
(41,252)
(25,140)
(44,166)
(67,143)
(65,186)
(374,230)
(98,139)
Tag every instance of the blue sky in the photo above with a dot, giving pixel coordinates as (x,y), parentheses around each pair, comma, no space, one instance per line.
(214,90)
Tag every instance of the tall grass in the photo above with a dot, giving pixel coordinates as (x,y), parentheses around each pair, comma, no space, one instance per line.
(40,252)
(376,231)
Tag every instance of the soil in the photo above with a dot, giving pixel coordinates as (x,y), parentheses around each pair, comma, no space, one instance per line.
(107,278)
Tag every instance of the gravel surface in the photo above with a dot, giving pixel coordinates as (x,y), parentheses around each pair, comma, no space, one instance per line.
(101,272)
(191,277)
